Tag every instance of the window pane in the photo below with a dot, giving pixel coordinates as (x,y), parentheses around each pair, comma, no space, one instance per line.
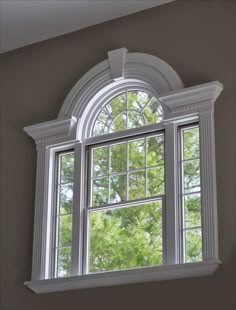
(63,212)
(192,210)
(136,154)
(64,262)
(137,185)
(131,109)
(100,161)
(135,120)
(192,222)
(125,238)
(153,112)
(100,191)
(138,99)
(155,181)
(65,198)
(118,158)
(118,188)
(193,245)
(192,175)
(191,143)
(155,150)
(117,105)
(101,128)
(119,123)
(66,167)
(65,230)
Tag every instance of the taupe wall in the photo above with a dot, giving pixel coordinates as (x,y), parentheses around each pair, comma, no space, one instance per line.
(198,39)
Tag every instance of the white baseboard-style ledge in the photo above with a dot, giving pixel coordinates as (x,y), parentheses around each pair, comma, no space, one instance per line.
(129,276)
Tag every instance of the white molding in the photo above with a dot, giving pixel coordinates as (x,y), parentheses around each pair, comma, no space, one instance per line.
(117,63)
(208,186)
(141,67)
(191,100)
(171,178)
(40,216)
(52,130)
(139,275)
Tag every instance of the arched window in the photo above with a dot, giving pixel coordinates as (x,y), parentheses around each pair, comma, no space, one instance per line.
(130,109)
(126,179)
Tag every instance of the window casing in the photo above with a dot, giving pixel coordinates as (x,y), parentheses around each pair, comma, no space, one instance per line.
(182,110)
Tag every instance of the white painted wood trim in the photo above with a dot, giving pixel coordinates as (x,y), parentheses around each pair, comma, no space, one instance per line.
(139,275)
(208,186)
(41,215)
(171,193)
(78,203)
(117,63)
(149,69)
(191,100)
(51,131)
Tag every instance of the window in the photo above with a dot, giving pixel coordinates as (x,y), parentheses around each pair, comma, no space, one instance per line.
(126,179)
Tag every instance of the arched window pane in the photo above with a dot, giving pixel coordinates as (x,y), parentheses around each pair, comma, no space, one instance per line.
(131,109)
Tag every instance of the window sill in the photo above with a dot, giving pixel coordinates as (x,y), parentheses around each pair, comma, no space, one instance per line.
(147,274)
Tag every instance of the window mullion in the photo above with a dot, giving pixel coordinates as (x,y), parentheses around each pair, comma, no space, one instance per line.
(171,178)
(78,203)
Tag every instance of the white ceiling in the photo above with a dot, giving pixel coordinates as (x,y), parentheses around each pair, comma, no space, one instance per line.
(23,22)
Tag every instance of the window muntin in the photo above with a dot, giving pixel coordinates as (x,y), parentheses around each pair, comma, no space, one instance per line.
(191,194)
(130,109)
(64,213)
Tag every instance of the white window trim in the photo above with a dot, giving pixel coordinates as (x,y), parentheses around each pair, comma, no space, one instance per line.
(72,127)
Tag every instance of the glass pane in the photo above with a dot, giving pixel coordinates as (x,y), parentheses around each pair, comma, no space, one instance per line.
(65,230)
(100,161)
(108,113)
(137,99)
(155,181)
(66,167)
(192,176)
(65,198)
(140,108)
(192,210)
(155,150)
(64,262)
(100,191)
(119,123)
(104,121)
(135,120)
(153,112)
(118,188)
(118,158)
(117,105)
(136,154)
(193,245)
(191,143)
(126,238)
(136,185)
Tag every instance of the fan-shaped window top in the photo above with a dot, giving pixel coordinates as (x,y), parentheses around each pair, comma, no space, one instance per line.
(130,109)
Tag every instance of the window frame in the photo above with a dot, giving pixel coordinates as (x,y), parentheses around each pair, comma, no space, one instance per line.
(71,130)
(140,132)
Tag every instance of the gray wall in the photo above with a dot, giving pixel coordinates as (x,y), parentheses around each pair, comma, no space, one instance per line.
(197,38)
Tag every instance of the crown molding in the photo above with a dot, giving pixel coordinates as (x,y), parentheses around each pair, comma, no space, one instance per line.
(52,130)
(192,99)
